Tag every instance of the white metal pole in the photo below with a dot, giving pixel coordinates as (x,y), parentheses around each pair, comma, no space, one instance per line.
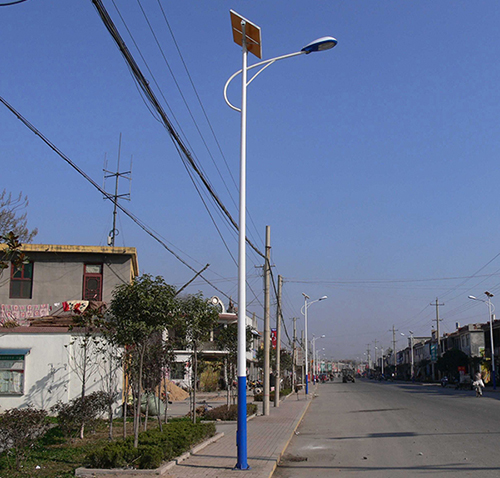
(412,359)
(242,463)
(314,358)
(493,372)
(306,351)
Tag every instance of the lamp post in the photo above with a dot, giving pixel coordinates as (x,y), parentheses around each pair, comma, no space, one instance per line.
(315,361)
(491,309)
(247,35)
(304,313)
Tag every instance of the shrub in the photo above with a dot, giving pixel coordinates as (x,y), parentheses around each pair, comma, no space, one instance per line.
(283,393)
(80,412)
(19,429)
(225,413)
(155,446)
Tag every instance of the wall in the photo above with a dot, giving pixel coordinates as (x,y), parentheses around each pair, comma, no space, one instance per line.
(51,369)
(58,276)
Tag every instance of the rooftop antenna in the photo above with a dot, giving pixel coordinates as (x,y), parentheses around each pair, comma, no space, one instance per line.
(127,175)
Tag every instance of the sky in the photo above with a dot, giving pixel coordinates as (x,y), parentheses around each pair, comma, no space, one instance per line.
(374,163)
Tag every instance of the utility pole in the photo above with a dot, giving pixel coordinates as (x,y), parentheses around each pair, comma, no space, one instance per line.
(382,360)
(267,323)
(437,304)
(277,381)
(108,174)
(375,353)
(294,353)
(368,357)
(394,349)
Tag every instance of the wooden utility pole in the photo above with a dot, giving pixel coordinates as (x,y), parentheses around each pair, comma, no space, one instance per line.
(279,317)
(267,323)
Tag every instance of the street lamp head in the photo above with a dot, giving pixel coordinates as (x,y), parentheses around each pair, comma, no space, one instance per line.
(305,296)
(411,332)
(472,297)
(323,298)
(321,44)
(323,336)
(488,294)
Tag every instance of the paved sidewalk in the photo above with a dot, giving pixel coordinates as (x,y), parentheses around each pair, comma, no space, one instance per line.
(268,438)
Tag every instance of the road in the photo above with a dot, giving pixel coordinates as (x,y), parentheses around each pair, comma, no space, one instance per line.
(384,429)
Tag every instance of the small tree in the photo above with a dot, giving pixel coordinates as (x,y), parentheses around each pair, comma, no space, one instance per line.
(197,319)
(227,340)
(11,218)
(138,310)
(19,429)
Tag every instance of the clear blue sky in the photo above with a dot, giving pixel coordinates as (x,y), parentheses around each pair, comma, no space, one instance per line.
(375,163)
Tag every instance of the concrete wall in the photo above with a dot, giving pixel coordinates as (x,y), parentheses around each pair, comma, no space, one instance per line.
(51,369)
(58,276)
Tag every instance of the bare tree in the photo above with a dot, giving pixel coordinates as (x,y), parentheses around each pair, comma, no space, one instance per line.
(13,217)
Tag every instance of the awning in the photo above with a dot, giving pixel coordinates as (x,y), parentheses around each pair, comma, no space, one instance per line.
(14,352)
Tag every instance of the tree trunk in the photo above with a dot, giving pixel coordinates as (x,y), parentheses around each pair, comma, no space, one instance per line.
(195,370)
(226,380)
(139,396)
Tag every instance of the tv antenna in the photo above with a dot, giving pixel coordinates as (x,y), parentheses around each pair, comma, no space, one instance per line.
(126,175)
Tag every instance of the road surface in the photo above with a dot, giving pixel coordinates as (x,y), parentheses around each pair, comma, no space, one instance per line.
(384,430)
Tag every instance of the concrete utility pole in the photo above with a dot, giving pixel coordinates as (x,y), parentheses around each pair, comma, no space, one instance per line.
(368,356)
(267,322)
(437,304)
(394,348)
(294,353)
(375,353)
(382,360)
(277,382)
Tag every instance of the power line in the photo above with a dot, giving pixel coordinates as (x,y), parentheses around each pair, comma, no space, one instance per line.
(134,218)
(144,85)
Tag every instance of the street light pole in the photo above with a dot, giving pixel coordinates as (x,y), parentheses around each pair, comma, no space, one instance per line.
(304,312)
(247,35)
(491,309)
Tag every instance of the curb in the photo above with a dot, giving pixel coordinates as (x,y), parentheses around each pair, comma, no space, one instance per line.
(280,454)
(157,471)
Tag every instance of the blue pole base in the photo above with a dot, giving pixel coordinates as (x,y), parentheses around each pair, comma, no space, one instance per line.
(307,386)
(241,433)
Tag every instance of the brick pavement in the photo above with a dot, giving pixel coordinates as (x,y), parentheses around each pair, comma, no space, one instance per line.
(267,439)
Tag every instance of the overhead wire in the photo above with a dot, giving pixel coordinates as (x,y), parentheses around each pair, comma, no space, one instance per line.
(143,83)
(108,196)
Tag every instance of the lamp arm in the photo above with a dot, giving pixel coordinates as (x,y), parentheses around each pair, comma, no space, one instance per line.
(264,65)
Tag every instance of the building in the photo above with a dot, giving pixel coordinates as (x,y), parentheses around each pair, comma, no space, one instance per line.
(39,352)
(181,373)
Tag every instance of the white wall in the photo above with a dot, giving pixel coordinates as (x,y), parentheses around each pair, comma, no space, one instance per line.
(50,370)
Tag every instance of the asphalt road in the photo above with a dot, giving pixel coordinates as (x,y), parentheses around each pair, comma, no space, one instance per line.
(385,429)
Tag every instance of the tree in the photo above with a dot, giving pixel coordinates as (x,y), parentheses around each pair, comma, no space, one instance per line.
(138,310)
(449,362)
(227,340)
(197,319)
(11,218)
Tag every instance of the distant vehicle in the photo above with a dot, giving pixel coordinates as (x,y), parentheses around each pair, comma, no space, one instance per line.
(348,376)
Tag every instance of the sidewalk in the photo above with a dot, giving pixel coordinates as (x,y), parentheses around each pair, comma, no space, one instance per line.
(267,439)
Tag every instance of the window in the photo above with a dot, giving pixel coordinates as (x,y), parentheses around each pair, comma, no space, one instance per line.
(92,282)
(177,371)
(21,281)
(12,371)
